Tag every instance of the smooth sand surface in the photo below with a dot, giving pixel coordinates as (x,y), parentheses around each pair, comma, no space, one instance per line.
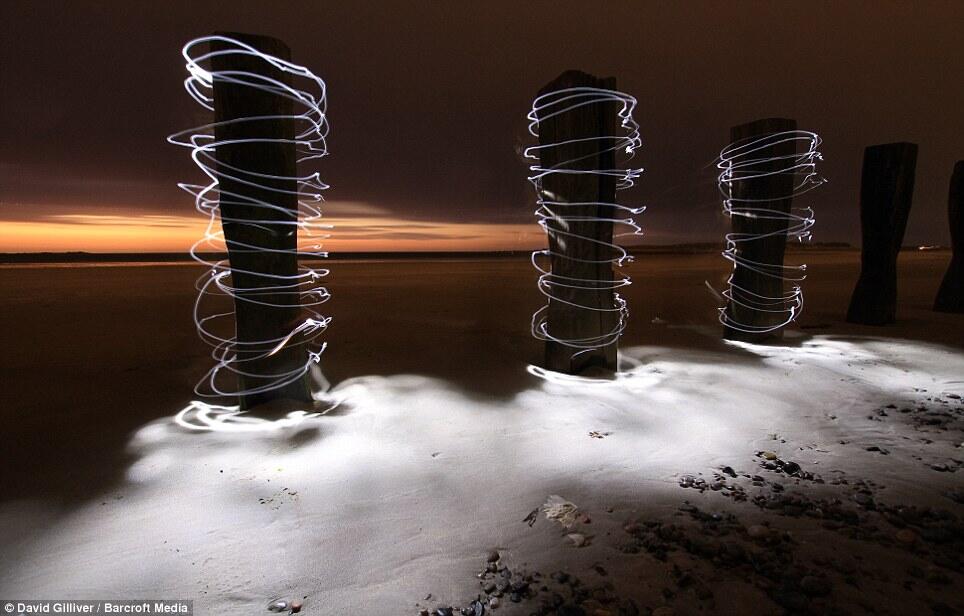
(444,442)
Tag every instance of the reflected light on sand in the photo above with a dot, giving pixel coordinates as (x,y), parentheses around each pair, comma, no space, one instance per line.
(202,417)
(632,374)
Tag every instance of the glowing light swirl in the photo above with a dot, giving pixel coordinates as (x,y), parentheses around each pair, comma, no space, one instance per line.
(550,208)
(746,160)
(311,129)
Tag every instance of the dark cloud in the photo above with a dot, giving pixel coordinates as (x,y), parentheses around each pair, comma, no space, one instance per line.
(427,100)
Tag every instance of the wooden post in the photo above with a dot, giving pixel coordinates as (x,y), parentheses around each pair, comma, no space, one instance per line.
(574,257)
(950,297)
(252,245)
(769,249)
(886,190)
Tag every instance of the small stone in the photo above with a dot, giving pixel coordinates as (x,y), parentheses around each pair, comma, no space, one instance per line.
(758,531)
(728,470)
(296,607)
(493,602)
(278,606)
(815,586)
(443,611)
(492,556)
(906,536)
(769,455)
(578,539)
(791,467)
(864,499)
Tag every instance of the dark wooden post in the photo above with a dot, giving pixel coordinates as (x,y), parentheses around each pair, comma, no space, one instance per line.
(575,257)
(886,190)
(266,250)
(770,248)
(950,297)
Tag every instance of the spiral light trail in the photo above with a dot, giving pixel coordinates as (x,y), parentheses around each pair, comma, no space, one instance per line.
(748,160)
(556,217)
(232,357)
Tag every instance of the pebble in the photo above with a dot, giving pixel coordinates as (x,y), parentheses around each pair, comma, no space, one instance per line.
(492,556)
(758,531)
(815,586)
(769,455)
(493,602)
(578,539)
(906,536)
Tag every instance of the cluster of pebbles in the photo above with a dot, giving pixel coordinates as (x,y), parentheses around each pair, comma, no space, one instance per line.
(935,418)
(762,556)
(559,593)
(854,510)
(697,546)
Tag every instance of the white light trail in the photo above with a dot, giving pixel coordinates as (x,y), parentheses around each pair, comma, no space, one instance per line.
(550,209)
(748,160)
(308,95)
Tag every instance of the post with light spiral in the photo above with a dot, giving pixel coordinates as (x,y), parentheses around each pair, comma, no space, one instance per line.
(583,125)
(767,164)
(269,116)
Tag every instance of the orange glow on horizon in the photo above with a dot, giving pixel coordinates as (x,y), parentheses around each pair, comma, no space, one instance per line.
(159,233)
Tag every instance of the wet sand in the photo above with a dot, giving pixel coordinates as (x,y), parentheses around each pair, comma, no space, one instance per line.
(445,442)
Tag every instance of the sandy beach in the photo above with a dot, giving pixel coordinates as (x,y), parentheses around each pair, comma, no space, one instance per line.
(820,475)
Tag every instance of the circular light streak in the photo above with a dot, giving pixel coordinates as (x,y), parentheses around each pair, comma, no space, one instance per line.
(308,95)
(556,216)
(748,160)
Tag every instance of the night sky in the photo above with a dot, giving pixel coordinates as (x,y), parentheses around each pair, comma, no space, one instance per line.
(427,105)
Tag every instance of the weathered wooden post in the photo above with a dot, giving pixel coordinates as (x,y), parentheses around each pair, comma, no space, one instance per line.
(757,306)
(580,235)
(950,297)
(886,190)
(261,241)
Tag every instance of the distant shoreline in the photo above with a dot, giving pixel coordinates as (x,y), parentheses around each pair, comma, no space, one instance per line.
(183,257)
